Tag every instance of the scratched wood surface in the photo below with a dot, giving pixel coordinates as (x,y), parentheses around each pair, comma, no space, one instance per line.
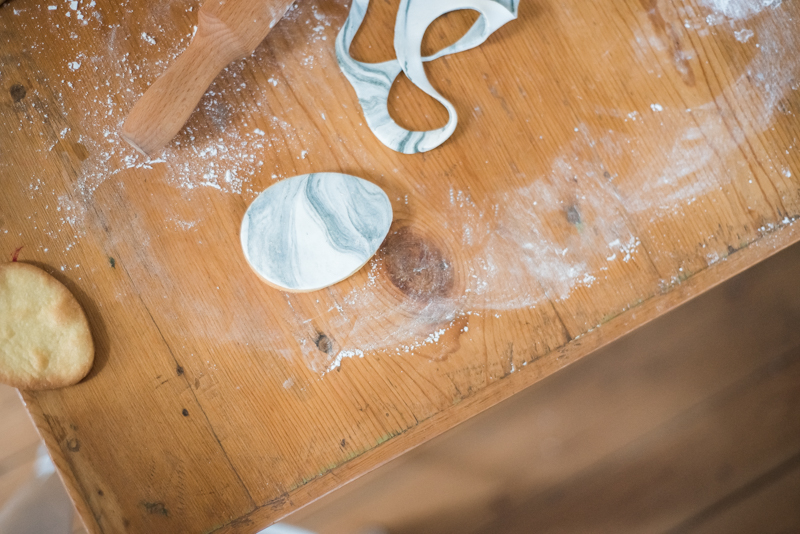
(612,160)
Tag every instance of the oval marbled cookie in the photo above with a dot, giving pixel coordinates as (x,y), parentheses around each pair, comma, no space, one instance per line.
(311,231)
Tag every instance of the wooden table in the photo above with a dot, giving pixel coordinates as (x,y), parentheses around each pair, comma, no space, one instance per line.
(613,159)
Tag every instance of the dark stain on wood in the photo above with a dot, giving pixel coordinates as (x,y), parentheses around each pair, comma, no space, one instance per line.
(80,151)
(672,38)
(573,215)
(185,412)
(112,262)
(323,343)
(785,107)
(275,504)
(179,370)
(155,508)
(17,92)
(72,150)
(56,426)
(416,266)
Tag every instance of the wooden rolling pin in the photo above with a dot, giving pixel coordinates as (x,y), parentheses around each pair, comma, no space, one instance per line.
(227,30)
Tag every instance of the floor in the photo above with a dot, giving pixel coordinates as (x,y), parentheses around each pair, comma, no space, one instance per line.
(19,445)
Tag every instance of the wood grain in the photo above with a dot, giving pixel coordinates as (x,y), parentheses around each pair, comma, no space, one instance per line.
(759,414)
(613,159)
(770,501)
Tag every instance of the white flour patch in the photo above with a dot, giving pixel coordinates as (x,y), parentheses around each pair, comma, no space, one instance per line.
(432,338)
(337,361)
(739,9)
(692,164)
(743,35)
(671,179)
(72,213)
(184,225)
(626,250)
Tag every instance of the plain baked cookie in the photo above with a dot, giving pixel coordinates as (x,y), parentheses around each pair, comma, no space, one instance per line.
(45,340)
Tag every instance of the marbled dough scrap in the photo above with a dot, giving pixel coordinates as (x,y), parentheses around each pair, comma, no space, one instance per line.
(311,231)
(373,81)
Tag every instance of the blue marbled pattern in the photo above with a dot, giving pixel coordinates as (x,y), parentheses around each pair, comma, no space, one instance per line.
(311,231)
(372,81)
